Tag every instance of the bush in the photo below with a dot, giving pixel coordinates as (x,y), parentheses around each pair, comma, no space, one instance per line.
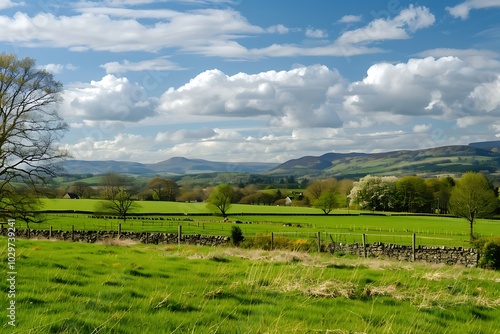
(490,254)
(280,242)
(236,235)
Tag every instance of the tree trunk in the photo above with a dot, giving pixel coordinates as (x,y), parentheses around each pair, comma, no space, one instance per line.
(471,234)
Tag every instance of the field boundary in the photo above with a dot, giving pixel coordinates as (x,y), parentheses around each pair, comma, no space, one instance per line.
(468,257)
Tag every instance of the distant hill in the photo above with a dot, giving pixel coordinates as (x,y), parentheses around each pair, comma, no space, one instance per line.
(484,156)
(488,145)
(426,162)
(174,166)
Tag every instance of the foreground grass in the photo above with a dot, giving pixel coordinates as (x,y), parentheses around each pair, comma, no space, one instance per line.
(65,287)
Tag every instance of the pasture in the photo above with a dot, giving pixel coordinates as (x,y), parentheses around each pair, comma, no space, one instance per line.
(293,222)
(65,287)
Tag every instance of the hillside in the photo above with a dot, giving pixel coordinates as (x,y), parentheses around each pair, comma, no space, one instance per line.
(427,162)
(483,157)
(172,166)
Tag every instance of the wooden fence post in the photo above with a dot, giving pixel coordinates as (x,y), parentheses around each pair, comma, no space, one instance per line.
(413,245)
(319,242)
(272,240)
(179,234)
(119,229)
(72,232)
(50,232)
(364,245)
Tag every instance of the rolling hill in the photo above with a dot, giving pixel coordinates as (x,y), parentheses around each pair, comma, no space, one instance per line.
(484,156)
(172,166)
(426,162)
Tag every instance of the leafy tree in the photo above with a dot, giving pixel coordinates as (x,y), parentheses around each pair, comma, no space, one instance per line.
(221,198)
(441,190)
(472,198)
(30,126)
(327,201)
(317,187)
(121,205)
(412,194)
(163,189)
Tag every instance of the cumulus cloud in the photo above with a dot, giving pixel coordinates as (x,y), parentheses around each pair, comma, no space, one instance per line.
(350,19)
(158,64)
(121,147)
(4,4)
(463,9)
(110,99)
(316,33)
(303,96)
(443,88)
(486,97)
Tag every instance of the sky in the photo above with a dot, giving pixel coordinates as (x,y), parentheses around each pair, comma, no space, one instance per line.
(260,80)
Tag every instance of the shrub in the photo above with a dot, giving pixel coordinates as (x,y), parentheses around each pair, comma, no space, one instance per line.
(490,254)
(236,235)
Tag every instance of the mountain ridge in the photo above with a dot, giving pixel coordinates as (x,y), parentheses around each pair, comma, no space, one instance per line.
(482,156)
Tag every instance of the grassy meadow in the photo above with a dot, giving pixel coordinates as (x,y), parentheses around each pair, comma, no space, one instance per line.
(264,220)
(119,287)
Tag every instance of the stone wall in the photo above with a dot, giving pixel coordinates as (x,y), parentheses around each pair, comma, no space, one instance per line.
(143,237)
(449,255)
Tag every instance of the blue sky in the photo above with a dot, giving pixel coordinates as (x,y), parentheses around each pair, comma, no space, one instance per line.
(255,80)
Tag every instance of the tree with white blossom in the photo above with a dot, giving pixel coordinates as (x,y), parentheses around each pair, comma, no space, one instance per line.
(374,193)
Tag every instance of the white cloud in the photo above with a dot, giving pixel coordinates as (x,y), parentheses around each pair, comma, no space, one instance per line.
(421,128)
(444,88)
(97,31)
(58,68)
(316,33)
(158,64)
(408,20)
(4,4)
(301,97)
(52,68)
(110,99)
(462,10)
(122,147)
(211,32)
(185,135)
(486,97)
(278,29)
(350,19)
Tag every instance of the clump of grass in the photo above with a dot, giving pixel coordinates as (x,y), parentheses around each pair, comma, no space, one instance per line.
(230,290)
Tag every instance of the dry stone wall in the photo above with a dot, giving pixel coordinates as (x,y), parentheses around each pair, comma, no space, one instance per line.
(449,255)
(143,237)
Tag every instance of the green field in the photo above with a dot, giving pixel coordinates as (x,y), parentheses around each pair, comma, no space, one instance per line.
(305,223)
(64,287)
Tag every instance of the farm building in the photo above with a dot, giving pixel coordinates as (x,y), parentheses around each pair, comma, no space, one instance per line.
(71,196)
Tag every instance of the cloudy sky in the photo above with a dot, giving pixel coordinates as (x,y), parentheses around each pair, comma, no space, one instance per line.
(259,80)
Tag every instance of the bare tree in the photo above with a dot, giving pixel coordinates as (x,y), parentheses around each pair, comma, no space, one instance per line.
(112,183)
(30,126)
